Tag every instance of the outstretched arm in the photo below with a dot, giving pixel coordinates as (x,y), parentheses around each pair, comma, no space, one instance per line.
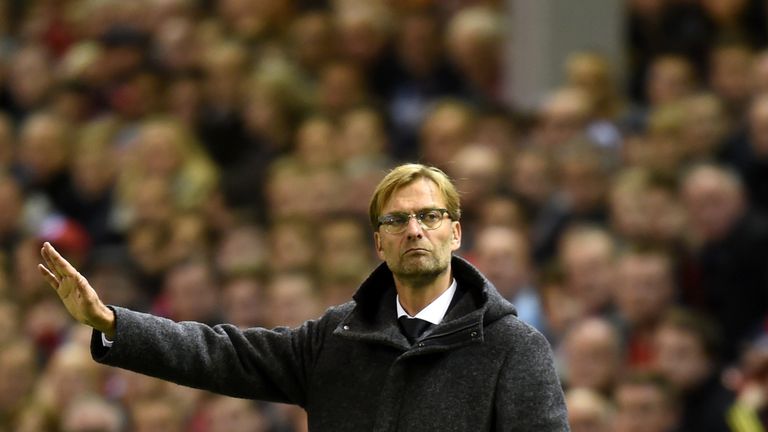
(75,292)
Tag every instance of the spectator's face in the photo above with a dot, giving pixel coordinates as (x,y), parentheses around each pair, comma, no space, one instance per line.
(418,44)
(444,133)
(582,184)
(361,135)
(360,37)
(760,74)
(341,87)
(587,415)
(7,143)
(292,301)
(680,357)
(502,255)
(235,415)
(531,178)
(644,288)
(627,212)
(241,249)
(642,408)
(724,11)
(591,74)
(665,217)
(670,80)
(92,171)
(343,249)
(42,150)
(588,265)
(91,415)
(416,253)
(704,127)
(315,142)
(156,417)
(758,126)
(192,293)
(17,375)
(730,75)
(477,170)
(160,150)
(312,40)
(30,77)
(10,202)
(184,100)
(592,356)
(563,117)
(71,373)
(243,303)
(291,248)
(713,204)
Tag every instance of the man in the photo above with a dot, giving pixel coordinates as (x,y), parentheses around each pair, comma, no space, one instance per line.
(645,402)
(476,366)
(502,253)
(724,271)
(687,353)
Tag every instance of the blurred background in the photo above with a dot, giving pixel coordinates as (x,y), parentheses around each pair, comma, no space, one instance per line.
(213,161)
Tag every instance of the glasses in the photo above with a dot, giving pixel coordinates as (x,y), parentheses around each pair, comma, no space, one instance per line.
(397,222)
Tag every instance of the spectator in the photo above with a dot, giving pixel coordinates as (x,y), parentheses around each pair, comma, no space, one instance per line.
(724,272)
(502,254)
(588,411)
(687,349)
(645,402)
(592,356)
(91,413)
(644,292)
(587,256)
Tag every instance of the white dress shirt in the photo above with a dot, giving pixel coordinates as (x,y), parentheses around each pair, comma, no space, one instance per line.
(435,311)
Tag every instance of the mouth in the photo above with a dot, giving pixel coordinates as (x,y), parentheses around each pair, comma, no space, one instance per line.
(416,251)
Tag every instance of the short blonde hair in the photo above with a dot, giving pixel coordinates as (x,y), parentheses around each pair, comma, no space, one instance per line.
(406,174)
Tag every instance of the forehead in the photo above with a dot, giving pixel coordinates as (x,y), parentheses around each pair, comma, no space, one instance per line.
(640,392)
(419,194)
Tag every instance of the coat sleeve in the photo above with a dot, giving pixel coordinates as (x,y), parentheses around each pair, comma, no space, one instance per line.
(255,363)
(529,397)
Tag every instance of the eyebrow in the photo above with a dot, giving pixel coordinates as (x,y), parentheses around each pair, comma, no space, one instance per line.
(411,211)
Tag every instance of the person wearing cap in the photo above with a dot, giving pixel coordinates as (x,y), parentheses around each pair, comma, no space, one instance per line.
(426,343)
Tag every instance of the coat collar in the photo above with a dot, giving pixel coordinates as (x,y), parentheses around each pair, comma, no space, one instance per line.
(373,317)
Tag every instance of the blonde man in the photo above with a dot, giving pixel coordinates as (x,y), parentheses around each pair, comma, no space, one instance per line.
(427,343)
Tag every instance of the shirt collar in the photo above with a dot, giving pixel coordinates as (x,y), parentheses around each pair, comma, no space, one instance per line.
(435,311)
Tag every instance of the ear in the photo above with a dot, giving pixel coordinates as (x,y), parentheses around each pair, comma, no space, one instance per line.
(377,244)
(456,233)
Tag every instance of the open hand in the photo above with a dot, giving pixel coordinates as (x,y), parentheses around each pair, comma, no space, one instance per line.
(75,292)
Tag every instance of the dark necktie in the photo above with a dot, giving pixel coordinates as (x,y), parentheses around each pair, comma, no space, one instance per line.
(413,328)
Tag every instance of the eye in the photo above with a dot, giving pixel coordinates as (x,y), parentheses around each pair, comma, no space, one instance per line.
(395,219)
(431,216)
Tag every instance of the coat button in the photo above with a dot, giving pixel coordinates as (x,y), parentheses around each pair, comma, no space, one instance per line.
(473,334)
(346,327)
(421,344)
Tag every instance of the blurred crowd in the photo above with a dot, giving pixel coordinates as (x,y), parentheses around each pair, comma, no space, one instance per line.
(213,161)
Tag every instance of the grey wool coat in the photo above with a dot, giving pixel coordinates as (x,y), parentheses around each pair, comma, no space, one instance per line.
(481,369)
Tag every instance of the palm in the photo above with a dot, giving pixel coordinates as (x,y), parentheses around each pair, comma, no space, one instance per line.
(74,295)
(75,292)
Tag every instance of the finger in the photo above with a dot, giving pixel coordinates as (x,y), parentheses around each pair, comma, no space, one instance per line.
(47,262)
(61,267)
(49,277)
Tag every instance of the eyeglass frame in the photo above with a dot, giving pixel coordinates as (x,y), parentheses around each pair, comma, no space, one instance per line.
(418,215)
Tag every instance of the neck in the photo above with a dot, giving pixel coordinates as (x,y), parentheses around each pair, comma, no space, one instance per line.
(415,295)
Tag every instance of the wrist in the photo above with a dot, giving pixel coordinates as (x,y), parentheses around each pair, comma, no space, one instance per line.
(106,322)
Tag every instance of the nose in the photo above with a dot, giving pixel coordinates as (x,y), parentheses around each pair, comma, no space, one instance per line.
(414,228)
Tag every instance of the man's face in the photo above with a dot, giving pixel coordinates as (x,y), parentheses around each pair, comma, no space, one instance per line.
(681,358)
(417,254)
(642,408)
